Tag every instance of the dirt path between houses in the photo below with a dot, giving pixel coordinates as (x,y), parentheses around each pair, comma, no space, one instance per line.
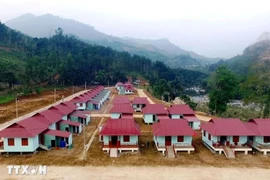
(142,94)
(146,173)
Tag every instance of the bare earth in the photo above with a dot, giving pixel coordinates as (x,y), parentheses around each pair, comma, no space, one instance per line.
(146,173)
(200,165)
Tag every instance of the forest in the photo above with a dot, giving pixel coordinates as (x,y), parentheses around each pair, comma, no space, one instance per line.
(64,60)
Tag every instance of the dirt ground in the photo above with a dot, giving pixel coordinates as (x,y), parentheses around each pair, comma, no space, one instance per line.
(146,173)
(147,156)
(29,103)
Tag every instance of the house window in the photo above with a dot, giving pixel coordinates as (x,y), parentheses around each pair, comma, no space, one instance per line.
(126,138)
(204,134)
(101,138)
(180,138)
(209,137)
(24,141)
(138,105)
(266,139)
(11,141)
(235,138)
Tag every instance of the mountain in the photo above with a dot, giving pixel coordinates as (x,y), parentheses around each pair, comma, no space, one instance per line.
(264,36)
(172,50)
(255,55)
(156,50)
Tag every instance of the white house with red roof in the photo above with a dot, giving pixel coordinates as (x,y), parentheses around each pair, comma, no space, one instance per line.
(120,135)
(126,88)
(22,136)
(260,134)
(226,135)
(138,103)
(121,111)
(121,100)
(175,134)
(183,111)
(154,112)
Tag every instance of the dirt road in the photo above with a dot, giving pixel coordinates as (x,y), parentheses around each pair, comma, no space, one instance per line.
(142,94)
(146,173)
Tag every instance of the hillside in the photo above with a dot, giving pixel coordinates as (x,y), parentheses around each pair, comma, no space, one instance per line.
(156,50)
(35,61)
(253,56)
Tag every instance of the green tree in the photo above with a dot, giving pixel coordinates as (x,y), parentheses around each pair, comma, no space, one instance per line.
(223,87)
(256,88)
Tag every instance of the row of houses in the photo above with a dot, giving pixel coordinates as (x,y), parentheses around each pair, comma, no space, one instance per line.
(52,127)
(229,135)
(121,132)
(124,88)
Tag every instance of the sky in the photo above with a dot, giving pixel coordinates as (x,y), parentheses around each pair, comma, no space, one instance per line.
(213,28)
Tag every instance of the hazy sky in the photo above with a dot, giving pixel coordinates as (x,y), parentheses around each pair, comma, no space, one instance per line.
(214,28)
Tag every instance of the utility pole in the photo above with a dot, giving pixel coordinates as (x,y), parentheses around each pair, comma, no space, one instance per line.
(54,95)
(108,82)
(85,85)
(73,91)
(63,98)
(84,147)
(16,103)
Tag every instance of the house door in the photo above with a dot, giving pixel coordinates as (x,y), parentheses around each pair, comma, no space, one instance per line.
(53,143)
(251,138)
(67,129)
(114,140)
(74,129)
(168,140)
(41,139)
(223,139)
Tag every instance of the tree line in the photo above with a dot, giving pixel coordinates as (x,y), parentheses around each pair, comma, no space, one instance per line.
(65,60)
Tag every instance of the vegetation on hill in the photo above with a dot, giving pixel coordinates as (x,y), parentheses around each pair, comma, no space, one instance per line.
(65,60)
(252,69)
(155,50)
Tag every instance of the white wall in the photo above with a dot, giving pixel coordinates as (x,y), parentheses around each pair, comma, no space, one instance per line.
(115,115)
(33,144)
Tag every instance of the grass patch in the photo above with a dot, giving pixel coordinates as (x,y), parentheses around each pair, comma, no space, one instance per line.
(6,98)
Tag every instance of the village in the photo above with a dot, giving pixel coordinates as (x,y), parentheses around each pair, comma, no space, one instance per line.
(124,125)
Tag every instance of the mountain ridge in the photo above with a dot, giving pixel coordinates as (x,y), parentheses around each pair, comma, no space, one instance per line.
(160,49)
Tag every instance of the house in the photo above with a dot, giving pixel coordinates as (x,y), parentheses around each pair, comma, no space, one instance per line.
(260,134)
(153,112)
(121,111)
(80,117)
(128,88)
(120,135)
(118,85)
(22,136)
(183,111)
(121,100)
(138,103)
(80,102)
(226,135)
(169,132)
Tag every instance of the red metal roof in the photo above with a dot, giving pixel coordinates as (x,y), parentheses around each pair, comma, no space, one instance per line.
(170,127)
(36,120)
(115,127)
(191,118)
(180,109)
(57,133)
(226,127)
(119,84)
(259,127)
(126,116)
(122,108)
(20,132)
(154,109)
(121,100)
(72,123)
(163,116)
(51,116)
(77,114)
(140,100)
(63,109)
(70,105)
